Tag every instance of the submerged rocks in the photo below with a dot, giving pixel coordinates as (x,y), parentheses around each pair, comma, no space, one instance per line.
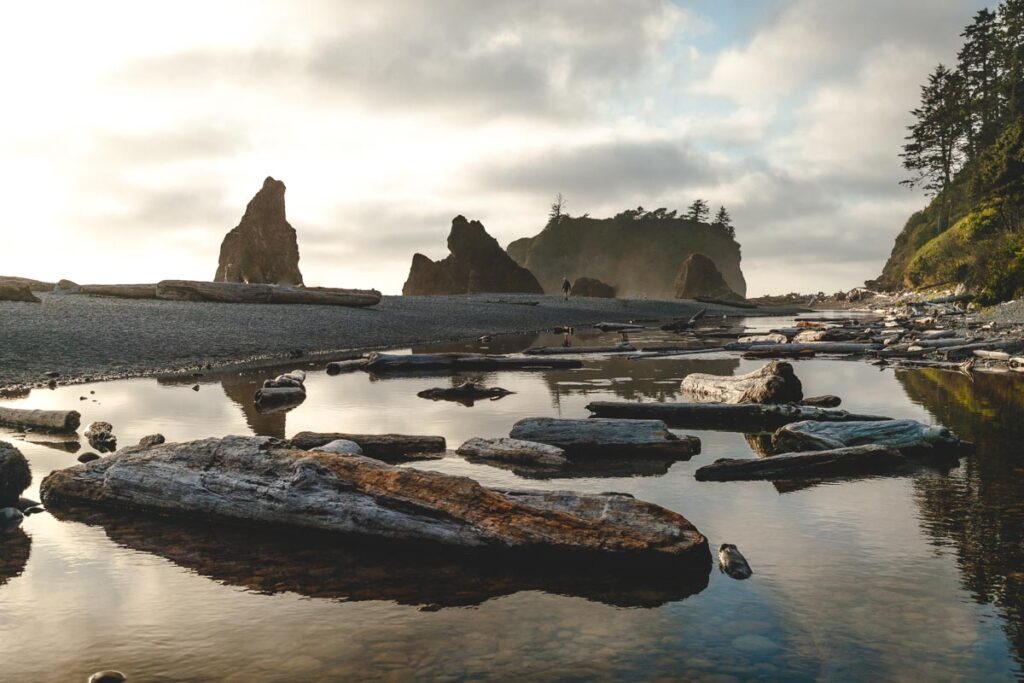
(10,519)
(89,457)
(101,436)
(466,393)
(699,277)
(15,474)
(262,248)
(590,287)
(12,291)
(477,263)
(732,562)
(514,451)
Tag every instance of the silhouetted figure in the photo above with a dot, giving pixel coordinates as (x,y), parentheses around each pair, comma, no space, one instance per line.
(566,288)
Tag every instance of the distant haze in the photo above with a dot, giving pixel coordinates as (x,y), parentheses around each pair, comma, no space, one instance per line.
(134,133)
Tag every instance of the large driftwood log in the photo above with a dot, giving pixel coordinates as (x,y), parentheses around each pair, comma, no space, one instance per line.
(739,417)
(415,362)
(11,291)
(339,366)
(381,446)
(566,350)
(774,383)
(144,291)
(839,348)
(240,293)
(514,451)
(967,350)
(909,436)
(856,460)
(605,436)
(618,327)
(46,420)
(253,480)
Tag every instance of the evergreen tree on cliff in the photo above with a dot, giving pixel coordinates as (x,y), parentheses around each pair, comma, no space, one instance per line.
(723,221)
(978,66)
(698,211)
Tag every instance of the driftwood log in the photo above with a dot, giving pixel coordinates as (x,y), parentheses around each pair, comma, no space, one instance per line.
(339,366)
(839,462)
(777,352)
(45,420)
(967,350)
(381,446)
(617,327)
(565,350)
(739,417)
(838,348)
(12,291)
(514,451)
(466,393)
(606,436)
(415,362)
(774,383)
(909,436)
(256,481)
(144,291)
(240,293)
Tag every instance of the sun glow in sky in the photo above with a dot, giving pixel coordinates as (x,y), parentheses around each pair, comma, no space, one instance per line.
(133,134)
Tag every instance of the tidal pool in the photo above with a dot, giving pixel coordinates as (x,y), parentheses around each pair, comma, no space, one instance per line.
(904,578)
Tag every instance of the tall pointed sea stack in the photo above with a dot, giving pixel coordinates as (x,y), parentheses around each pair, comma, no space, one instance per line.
(262,248)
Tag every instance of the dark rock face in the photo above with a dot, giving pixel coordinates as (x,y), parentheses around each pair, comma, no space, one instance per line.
(17,292)
(262,248)
(700,277)
(15,475)
(588,286)
(638,257)
(477,263)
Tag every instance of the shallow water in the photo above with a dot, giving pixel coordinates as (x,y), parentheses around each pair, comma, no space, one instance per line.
(912,578)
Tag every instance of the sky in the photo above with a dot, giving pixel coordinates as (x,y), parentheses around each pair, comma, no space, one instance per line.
(133,134)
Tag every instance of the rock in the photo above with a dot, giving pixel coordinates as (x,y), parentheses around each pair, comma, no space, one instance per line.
(16,292)
(466,393)
(589,287)
(195,387)
(826,401)
(257,480)
(699,277)
(477,263)
(909,436)
(107,677)
(15,474)
(262,248)
(151,440)
(67,287)
(101,436)
(515,451)
(33,285)
(10,519)
(88,457)
(732,562)
(340,447)
(34,510)
(604,436)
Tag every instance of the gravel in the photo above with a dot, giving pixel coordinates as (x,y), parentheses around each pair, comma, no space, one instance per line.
(88,338)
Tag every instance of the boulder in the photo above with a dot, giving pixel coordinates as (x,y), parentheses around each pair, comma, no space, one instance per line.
(151,440)
(262,248)
(15,474)
(101,436)
(477,263)
(699,277)
(11,291)
(67,287)
(515,451)
(33,285)
(590,287)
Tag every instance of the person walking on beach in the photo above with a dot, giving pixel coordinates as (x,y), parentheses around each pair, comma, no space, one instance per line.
(566,288)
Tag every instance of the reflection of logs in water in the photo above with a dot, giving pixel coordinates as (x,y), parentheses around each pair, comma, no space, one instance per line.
(15,547)
(411,574)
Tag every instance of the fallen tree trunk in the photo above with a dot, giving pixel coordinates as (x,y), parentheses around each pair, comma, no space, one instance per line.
(387,362)
(144,291)
(617,327)
(841,348)
(564,350)
(759,354)
(339,366)
(514,451)
(240,293)
(253,480)
(605,436)
(739,417)
(857,460)
(774,383)
(960,352)
(992,355)
(909,436)
(46,420)
(725,302)
(382,446)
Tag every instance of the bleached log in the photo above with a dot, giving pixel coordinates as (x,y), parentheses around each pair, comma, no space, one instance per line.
(910,436)
(255,481)
(143,291)
(739,417)
(960,352)
(856,460)
(514,451)
(605,436)
(992,355)
(387,362)
(339,366)
(240,293)
(774,383)
(769,338)
(565,350)
(382,446)
(47,420)
(841,348)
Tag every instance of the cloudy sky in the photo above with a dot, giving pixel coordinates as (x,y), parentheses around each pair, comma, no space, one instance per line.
(132,133)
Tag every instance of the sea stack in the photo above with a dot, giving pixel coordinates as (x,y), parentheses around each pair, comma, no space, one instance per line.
(700,277)
(262,248)
(477,263)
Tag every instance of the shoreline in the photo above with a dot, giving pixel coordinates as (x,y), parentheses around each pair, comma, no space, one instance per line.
(91,338)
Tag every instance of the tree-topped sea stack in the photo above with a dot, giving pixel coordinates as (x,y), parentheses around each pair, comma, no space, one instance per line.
(262,248)
(699,277)
(477,263)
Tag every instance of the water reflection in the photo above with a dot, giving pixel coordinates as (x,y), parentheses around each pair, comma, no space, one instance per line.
(429,576)
(15,548)
(980,511)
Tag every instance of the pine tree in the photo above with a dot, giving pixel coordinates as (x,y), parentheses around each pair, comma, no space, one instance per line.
(932,152)
(723,221)
(698,211)
(557,209)
(1011,21)
(978,66)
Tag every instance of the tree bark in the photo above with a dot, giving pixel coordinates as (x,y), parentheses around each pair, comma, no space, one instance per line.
(738,417)
(857,460)
(774,383)
(47,420)
(601,437)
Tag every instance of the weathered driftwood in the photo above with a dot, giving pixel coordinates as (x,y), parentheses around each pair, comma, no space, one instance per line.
(825,401)
(732,562)
(774,383)
(739,417)
(910,436)
(11,291)
(515,451)
(769,338)
(725,302)
(339,366)
(253,480)
(617,327)
(415,362)
(466,393)
(239,293)
(47,420)
(605,436)
(839,348)
(144,291)
(960,352)
(655,355)
(565,350)
(992,355)
(776,352)
(856,460)
(382,446)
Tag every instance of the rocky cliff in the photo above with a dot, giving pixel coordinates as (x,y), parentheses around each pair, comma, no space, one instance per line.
(262,248)
(699,277)
(637,256)
(477,263)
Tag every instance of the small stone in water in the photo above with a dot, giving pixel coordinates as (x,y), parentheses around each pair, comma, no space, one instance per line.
(195,388)
(107,677)
(35,509)
(88,457)
(52,384)
(10,519)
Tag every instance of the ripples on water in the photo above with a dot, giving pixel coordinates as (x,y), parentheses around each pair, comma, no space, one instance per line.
(918,578)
